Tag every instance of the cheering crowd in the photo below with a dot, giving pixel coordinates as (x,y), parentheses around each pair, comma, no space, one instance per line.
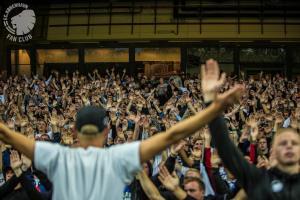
(139,107)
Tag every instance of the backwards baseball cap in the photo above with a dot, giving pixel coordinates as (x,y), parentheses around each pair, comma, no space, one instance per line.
(93,116)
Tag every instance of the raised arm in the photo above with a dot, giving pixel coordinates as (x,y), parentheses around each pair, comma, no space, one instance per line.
(228,152)
(171,183)
(149,188)
(187,127)
(17,140)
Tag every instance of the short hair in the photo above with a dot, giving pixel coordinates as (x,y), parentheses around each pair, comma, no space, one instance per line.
(6,170)
(193,170)
(194,179)
(263,137)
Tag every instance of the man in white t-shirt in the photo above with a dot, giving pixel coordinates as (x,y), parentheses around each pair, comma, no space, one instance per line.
(91,172)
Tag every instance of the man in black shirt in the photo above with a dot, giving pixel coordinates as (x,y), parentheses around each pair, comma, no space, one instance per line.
(281,181)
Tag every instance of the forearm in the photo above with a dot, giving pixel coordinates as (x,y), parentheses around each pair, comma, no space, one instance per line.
(55,86)
(136,131)
(191,107)
(186,159)
(21,143)
(47,82)
(179,193)
(157,108)
(187,114)
(26,79)
(233,112)
(148,187)
(185,128)
(128,107)
(90,76)
(191,125)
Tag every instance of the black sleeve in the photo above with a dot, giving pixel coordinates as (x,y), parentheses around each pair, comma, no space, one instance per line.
(221,186)
(244,146)
(30,190)
(245,173)
(156,181)
(114,131)
(56,137)
(170,164)
(8,186)
(188,197)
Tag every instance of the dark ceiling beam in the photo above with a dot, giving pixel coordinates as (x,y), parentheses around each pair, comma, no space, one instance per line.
(172,23)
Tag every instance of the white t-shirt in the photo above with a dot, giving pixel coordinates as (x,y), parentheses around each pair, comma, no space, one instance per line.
(88,174)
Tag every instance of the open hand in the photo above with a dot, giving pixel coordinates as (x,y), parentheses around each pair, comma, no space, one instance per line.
(171,182)
(211,83)
(15,161)
(211,80)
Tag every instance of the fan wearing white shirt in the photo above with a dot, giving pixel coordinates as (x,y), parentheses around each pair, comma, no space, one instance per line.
(91,172)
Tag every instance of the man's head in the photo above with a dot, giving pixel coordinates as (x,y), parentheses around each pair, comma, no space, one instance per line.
(262,144)
(42,127)
(194,187)
(198,144)
(286,147)
(92,126)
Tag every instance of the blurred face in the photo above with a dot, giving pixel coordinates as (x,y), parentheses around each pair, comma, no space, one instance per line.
(45,137)
(193,189)
(9,174)
(198,145)
(120,140)
(262,144)
(129,136)
(161,81)
(153,130)
(42,127)
(287,148)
